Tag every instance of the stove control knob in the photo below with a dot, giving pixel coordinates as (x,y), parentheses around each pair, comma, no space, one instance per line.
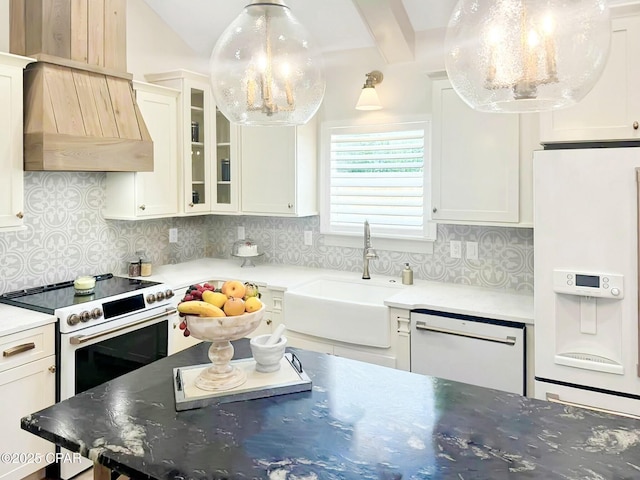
(85,316)
(151,298)
(168,293)
(73,319)
(160,296)
(96,313)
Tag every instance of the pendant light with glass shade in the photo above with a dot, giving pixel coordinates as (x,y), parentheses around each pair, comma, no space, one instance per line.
(264,68)
(526,55)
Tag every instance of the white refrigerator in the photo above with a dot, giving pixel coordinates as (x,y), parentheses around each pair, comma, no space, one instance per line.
(586,278)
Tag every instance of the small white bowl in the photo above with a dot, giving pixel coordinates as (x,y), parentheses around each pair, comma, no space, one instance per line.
(267,357)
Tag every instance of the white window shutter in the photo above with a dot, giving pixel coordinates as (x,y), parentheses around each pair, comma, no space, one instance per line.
(377,173)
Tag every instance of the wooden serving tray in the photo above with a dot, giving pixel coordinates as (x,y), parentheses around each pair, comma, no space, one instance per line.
(290,378)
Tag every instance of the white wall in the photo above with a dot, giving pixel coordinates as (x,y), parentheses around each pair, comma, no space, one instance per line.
(405,90)
(151,45)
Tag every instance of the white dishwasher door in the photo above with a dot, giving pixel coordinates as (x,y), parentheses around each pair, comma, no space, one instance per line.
(488,353)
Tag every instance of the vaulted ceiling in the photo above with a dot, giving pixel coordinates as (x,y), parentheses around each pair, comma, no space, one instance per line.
(390,25)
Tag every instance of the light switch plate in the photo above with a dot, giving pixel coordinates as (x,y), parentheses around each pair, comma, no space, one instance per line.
(472,250)
(173,235)
(456,248)
(241,233)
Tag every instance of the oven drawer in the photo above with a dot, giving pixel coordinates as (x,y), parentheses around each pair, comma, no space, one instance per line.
(27,346)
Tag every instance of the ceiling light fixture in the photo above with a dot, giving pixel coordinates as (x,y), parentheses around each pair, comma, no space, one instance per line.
(264,69)
(526,55)
(368,96)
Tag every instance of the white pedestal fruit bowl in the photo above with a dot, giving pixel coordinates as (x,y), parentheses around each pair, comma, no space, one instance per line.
(220,331)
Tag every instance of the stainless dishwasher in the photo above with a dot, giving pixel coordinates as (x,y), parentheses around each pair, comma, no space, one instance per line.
(475,350)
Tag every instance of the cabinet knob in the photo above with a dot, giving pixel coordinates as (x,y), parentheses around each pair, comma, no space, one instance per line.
(635,125)
(19,215)
(434,210)
(143,207)
(191,204)
(269,322)
(290,205)
(52,369)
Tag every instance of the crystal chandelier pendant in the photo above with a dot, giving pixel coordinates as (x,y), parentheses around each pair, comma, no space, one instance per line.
(526,55)
(264,69)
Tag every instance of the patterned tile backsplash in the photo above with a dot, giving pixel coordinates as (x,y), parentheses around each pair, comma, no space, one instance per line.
(66,235)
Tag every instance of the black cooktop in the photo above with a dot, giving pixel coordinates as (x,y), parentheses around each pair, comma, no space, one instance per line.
(48,298)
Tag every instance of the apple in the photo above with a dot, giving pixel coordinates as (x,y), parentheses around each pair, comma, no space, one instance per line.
(233,288)
(252,304)
(234,306)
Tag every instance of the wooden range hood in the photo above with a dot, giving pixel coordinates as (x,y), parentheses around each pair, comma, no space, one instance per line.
(80,112)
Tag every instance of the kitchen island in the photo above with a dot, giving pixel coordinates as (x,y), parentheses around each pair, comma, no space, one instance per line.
(359,421)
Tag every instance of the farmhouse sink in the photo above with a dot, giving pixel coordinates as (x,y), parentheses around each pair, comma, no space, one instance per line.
(345,310)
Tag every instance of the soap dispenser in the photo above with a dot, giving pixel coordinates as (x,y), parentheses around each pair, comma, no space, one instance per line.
(407,275)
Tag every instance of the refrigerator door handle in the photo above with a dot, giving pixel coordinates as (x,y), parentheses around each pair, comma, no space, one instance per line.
(555,398)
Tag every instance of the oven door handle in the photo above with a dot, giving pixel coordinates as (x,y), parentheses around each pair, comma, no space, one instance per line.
(507,341)
(555,398)
(80,339)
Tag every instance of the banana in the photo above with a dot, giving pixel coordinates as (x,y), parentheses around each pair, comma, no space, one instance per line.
(200,308)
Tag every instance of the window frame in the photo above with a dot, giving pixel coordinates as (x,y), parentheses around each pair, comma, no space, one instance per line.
(385,240)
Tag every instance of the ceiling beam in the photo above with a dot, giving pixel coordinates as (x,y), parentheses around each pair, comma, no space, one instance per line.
(390,27)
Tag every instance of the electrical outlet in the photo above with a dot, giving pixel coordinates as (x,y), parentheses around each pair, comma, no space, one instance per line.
(308,237)
(472,250)
(456,248)
(241,233)
(173,235)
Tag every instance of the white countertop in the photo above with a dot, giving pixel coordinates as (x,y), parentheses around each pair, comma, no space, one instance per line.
(444,297)
(14,319)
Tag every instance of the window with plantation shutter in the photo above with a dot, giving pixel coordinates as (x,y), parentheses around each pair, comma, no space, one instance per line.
(377,173)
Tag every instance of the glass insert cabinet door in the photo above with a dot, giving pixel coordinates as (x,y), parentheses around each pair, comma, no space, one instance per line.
(226,165)
(223,167)
(199,153)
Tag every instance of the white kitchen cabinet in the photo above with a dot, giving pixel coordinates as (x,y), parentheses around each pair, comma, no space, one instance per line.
(278,170)
(475,164)
(611,111)
(205,146)
(138,195)
(27,384)
(226,172)
(272,300)
(11,140)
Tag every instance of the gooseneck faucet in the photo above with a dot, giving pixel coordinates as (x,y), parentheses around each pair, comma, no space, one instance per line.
(368,252)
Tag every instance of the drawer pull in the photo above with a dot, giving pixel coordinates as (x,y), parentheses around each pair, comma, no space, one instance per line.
(555,398)
(507,341)
(10,352)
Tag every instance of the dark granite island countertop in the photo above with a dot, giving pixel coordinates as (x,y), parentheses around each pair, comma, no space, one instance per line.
(359,421)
